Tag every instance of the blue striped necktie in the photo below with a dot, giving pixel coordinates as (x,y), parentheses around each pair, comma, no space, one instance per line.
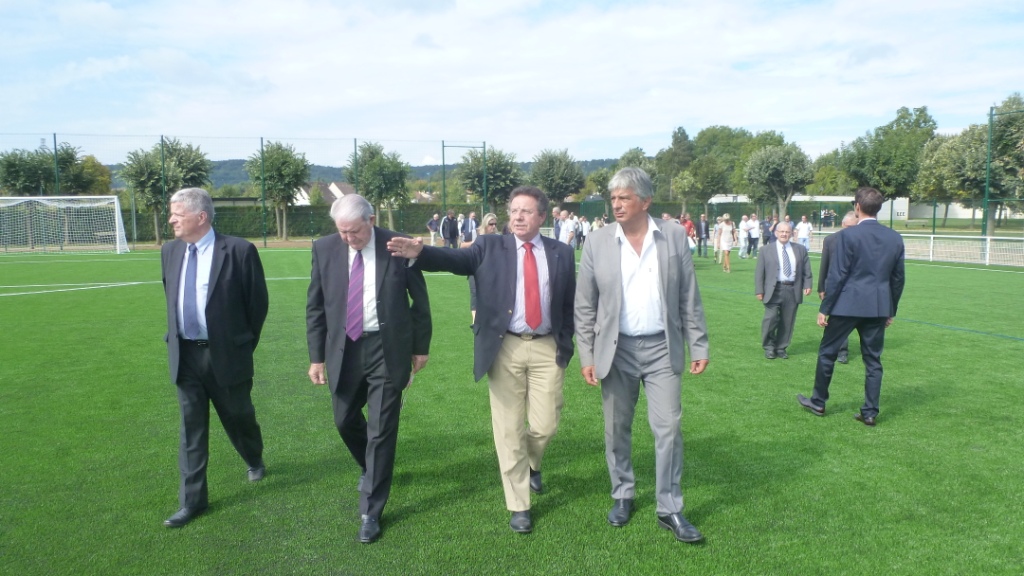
(189,311)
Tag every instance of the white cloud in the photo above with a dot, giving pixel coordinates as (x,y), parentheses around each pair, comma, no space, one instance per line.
(523,77)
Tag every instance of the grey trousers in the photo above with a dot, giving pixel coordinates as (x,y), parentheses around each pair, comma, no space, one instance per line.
(644,360)
(779,318)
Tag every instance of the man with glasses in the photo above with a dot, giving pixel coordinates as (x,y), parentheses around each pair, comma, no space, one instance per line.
(522,337)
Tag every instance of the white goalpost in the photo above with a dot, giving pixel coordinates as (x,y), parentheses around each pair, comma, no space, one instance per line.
(61,223)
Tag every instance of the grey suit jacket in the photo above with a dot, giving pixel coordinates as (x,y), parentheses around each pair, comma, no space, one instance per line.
(236,306)
(767,272)
(492,260)
(866,276)
(405,328)
(599,298)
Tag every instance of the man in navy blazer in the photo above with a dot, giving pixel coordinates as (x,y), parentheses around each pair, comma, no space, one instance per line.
(216,304)
(365,347)
(862,291)
(525,363)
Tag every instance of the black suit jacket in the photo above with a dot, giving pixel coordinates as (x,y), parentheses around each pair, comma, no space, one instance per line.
(866,275)
(827,247)
(236,306)
(404,328)
(492,261)
(703,230)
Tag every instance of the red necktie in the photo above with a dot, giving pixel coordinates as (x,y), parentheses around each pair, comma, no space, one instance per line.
(531,287)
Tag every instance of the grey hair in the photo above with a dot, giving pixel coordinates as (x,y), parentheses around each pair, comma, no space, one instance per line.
(633,179)
(351,207)
(786,224)
(851,216)
(195,200)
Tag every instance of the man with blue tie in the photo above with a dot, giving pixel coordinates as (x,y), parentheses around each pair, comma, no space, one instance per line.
(216,304)
(862,291)
(781,280)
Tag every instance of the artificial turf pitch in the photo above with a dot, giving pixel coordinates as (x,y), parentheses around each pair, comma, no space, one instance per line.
(89,433)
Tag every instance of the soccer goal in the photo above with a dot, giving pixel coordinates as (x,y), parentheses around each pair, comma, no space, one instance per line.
(61,223)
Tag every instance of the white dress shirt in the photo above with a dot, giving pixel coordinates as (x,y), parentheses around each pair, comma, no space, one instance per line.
(204,252)
(641,311)
(792,262)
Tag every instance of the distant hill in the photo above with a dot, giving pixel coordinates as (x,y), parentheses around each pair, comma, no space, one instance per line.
(233,171)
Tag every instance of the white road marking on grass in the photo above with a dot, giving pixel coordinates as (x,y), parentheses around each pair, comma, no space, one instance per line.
(91,287)
(78,261)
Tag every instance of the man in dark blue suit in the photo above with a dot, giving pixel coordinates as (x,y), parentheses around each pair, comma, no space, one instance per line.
(216,305)
(862,291)
(522,335)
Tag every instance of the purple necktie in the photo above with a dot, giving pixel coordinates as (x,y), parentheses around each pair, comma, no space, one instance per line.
(354,323)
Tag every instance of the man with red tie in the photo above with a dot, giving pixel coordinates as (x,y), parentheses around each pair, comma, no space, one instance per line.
(522,335)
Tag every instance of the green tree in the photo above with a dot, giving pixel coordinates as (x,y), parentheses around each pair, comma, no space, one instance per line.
(686,189)
(888,158)
(728,146)
(737,179)
(557,174)
(26,172)
(597,183)
(96,176)
(829,178)
(281,171)
(672,161)
(781,171)
(380,177)
(710,179)
(503,175)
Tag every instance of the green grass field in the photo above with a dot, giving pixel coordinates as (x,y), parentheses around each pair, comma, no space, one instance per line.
(89,429)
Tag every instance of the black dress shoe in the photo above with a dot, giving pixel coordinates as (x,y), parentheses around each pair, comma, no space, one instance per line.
(521,522)
(620,512)
(843,359)
(781,354)
(806,403)
(536,485)
(867,420)
(683,530)
(769,354)
(256,473)
(184,516)
(369,530)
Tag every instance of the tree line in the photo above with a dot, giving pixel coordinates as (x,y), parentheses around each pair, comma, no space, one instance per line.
(906,157)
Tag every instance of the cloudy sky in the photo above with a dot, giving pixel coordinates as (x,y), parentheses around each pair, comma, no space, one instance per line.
(596,78)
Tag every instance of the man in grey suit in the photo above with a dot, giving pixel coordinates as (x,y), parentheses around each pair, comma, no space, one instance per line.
(216,304)
(862,291)
(781,280)
(637,305)
(368,329)
(827,247)
(522,336)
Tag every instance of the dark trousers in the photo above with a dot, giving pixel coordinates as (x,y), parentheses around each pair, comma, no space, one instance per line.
(702,247)
(371,441)
(451,242)
(197,389)
(752,245)
(872,341)
(779,318)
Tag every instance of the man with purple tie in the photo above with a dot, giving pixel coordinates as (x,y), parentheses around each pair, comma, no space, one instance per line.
(365,341)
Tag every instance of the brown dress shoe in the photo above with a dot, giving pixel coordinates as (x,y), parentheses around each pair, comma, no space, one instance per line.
(867,420)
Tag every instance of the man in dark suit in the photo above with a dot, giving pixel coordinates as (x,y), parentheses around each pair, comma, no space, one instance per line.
(637,310)
(703,235)
(365,340)
(827,247)
(522,336)
(216,304)
(781,280)
(450,230)
(862,291)
(469,226)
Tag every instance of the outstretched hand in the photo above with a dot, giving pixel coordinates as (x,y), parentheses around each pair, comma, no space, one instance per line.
(405,247)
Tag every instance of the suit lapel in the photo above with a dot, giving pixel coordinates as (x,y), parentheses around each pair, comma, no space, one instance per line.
(383,259)
(219,254)
(552,261)
(661,245)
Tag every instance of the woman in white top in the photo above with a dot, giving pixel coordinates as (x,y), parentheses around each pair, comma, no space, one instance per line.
(726,240)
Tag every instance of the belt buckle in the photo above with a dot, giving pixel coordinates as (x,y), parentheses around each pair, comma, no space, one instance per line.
(527,336)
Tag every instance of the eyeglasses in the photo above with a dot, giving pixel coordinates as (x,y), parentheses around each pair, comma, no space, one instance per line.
(525,212)
(492,223)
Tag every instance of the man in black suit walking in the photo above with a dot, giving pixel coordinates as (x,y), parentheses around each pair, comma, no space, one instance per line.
(365,340)
(216,304)
(703,235)
(862,291)
(827,246)
(522,336)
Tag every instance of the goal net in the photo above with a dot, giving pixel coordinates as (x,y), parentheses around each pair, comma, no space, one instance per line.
(61,223)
